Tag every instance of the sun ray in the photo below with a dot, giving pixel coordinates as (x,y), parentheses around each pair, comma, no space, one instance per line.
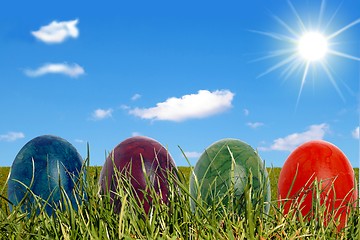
(344,55)
(306,70)
(290,67)
(332,80)
(357,21)
(333,73)
(275,36)
(295,65)
(278,65)
(301,23)
(321,13)
(286,26)
(273,54)
(332,17)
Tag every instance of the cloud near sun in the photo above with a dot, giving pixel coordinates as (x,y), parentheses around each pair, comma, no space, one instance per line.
(355,133)
(290,142)
(200,105)
(73,70)
(100,114)
(11,136)
(57,32)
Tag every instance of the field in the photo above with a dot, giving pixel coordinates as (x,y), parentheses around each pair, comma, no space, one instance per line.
(273,175)
(96,220)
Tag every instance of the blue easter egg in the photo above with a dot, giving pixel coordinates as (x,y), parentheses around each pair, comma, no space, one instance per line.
(44,171)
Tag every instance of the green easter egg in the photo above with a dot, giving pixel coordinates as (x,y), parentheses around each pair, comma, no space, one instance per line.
(230,169)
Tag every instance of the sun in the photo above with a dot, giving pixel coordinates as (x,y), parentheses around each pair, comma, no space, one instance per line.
(311,47)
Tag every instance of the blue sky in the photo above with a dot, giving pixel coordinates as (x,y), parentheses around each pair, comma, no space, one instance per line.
(186,73)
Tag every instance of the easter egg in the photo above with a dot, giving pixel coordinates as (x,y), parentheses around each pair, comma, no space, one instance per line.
(141,164)
(43,170)
(223,173)
(318,165)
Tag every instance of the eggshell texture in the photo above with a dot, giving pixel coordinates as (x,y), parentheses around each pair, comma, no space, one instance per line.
(327,164)
(215,173)
(44,164)
(129,157)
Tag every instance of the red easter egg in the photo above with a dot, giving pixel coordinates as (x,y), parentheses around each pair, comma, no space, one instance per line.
(324,162)
(140,163)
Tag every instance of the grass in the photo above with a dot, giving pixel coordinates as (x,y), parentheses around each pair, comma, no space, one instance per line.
(95,217)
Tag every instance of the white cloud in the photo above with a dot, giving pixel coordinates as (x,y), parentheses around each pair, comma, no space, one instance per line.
(255,124)
(355,133)
(73,70)
(246,112)
(192,154)
(135,97)
(100,114)
(12,136)
(57,32)
(290,142)
(200,105)
(79,141)
(134,134)
(124,107)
